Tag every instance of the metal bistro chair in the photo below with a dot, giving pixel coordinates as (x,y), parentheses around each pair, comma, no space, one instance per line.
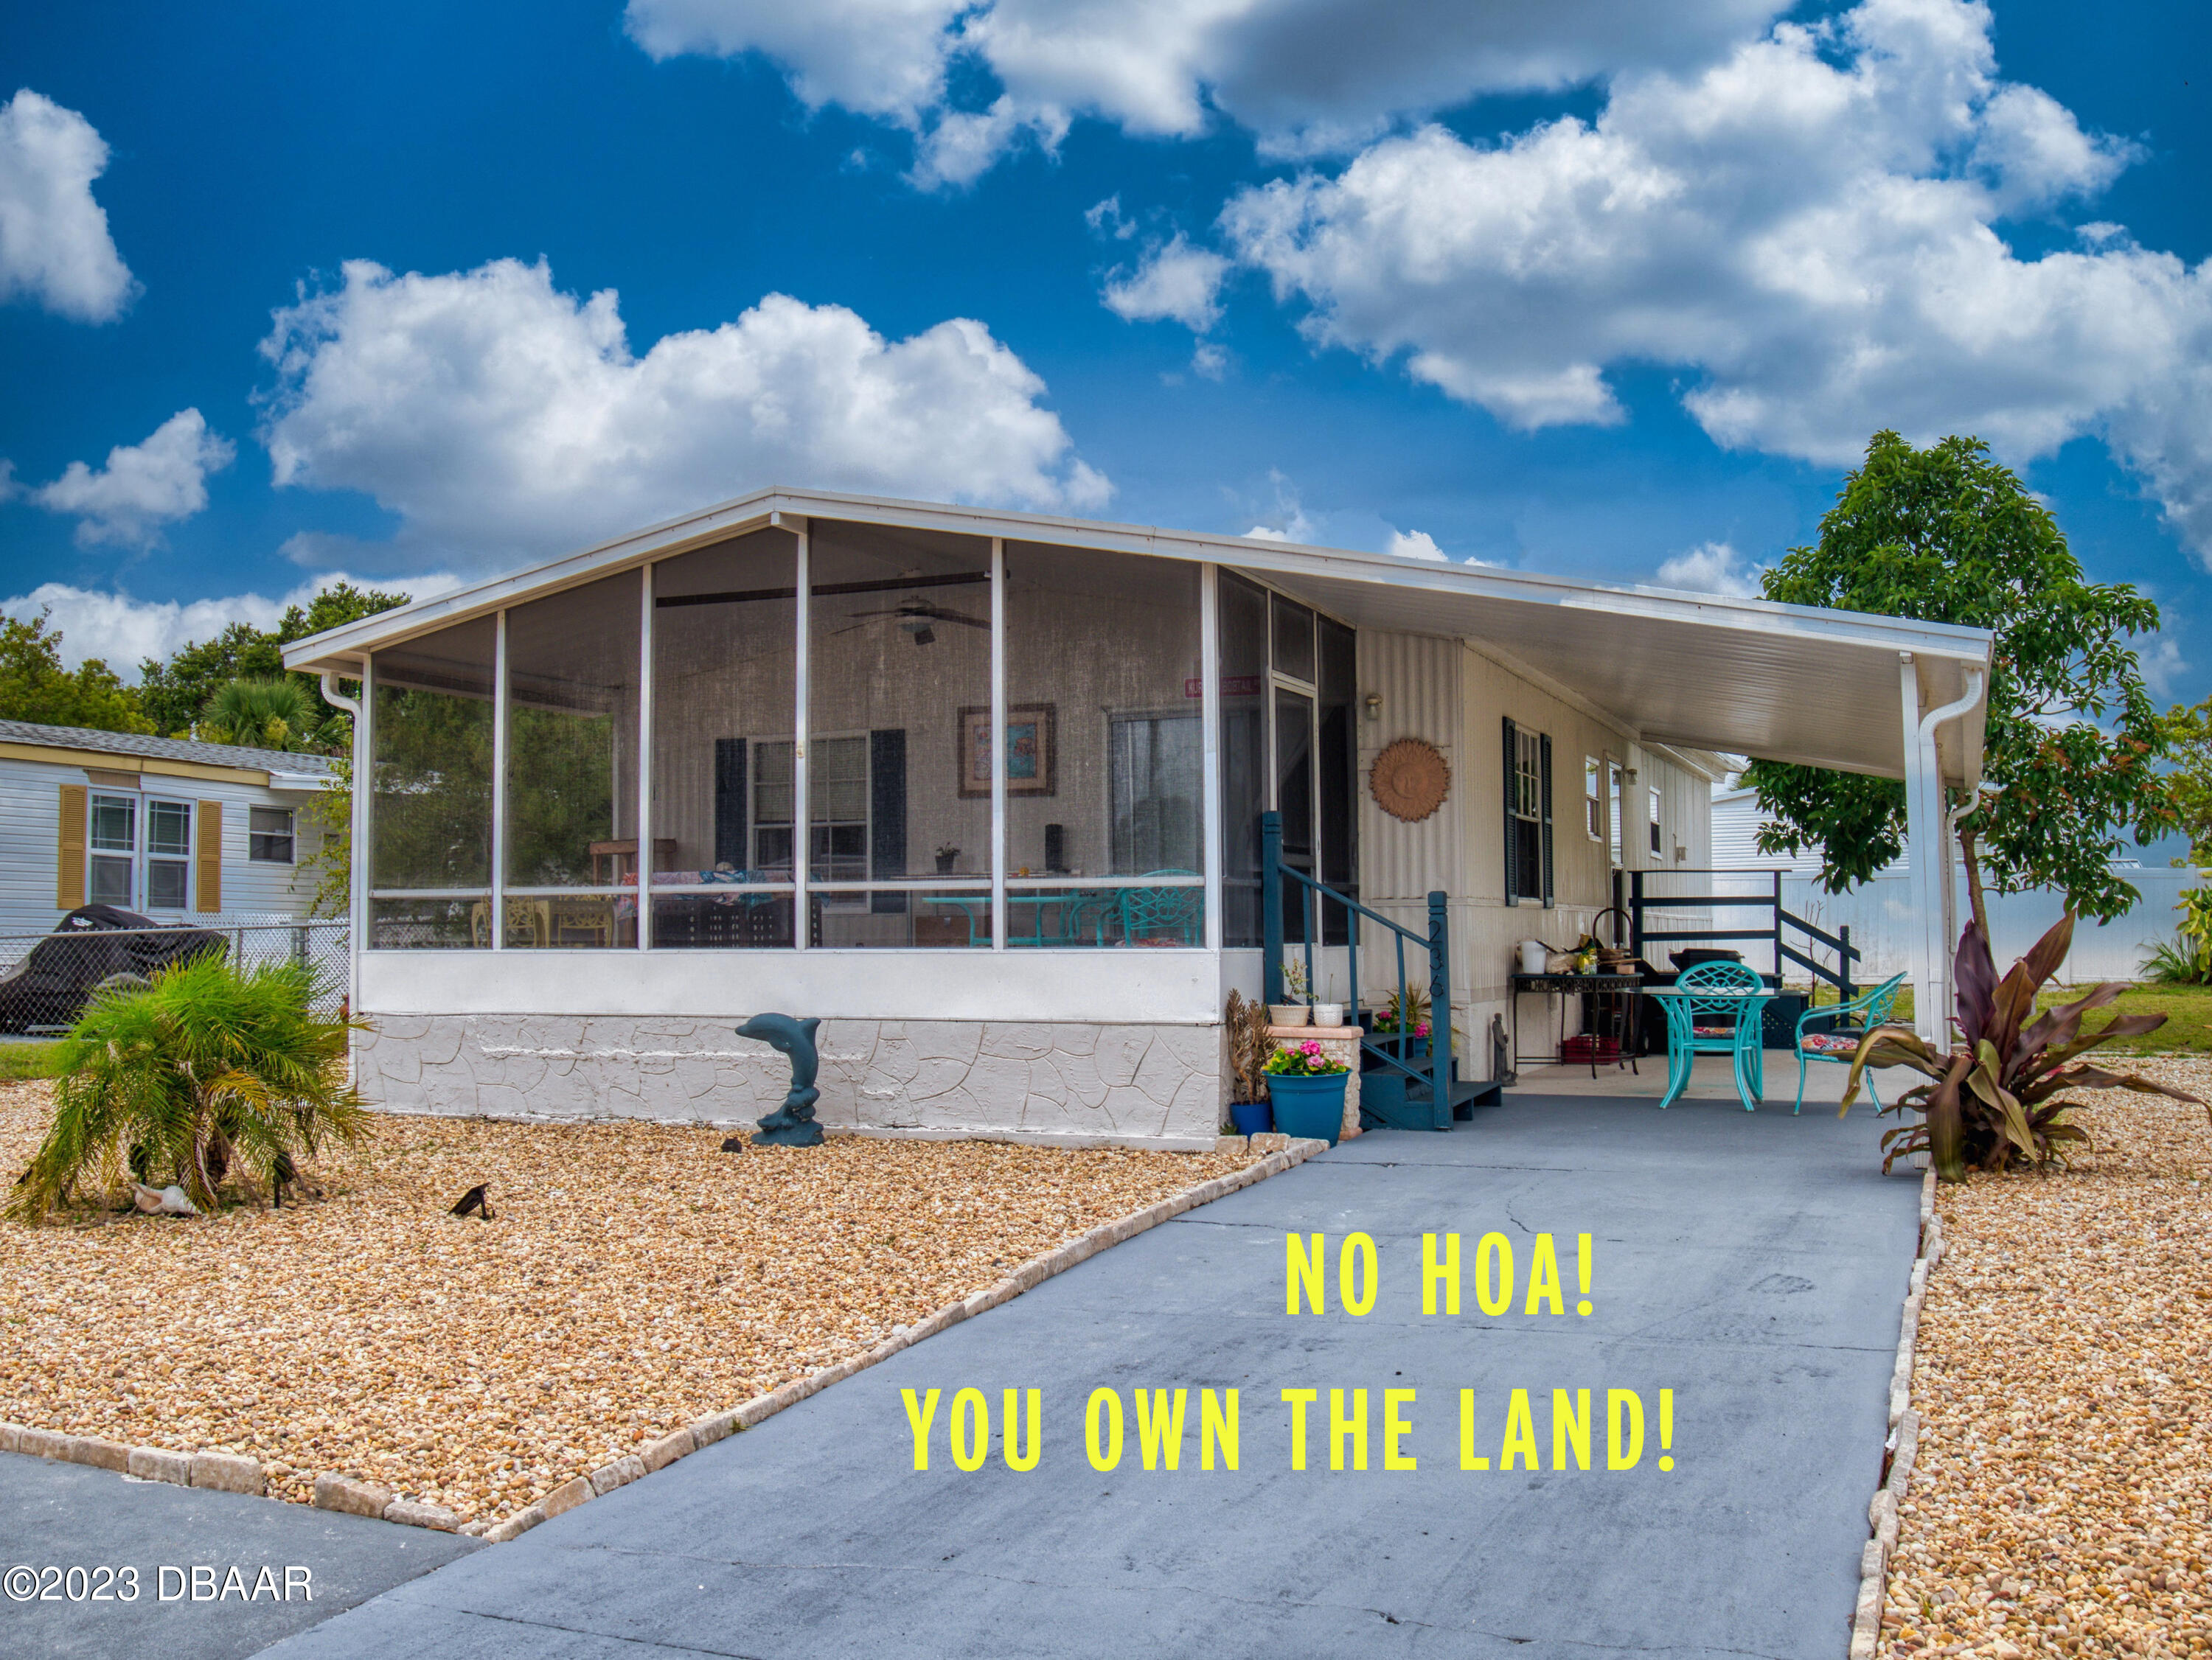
(1706,991)
(1841,1044)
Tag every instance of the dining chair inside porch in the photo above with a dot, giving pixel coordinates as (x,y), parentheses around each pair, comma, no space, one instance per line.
(1700,998)
(1839,1044)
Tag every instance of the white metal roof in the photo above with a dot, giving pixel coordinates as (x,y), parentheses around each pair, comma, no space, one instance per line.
(1700,671)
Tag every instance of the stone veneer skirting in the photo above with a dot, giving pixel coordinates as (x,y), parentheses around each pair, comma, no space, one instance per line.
(1062,1082)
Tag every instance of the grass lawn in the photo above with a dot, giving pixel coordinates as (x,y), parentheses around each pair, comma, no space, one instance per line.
(27,1060)
(2187,1009)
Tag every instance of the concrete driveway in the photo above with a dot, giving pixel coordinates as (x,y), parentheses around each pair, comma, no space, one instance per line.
(152,1537)
(1753,1264)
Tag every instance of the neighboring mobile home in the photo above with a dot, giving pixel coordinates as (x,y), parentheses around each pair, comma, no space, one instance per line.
(774,720)
(178,830)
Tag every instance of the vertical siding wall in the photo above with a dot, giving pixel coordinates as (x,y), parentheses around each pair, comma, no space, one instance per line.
(1456,698)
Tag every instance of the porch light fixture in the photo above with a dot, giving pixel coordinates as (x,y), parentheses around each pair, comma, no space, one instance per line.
(1374,705)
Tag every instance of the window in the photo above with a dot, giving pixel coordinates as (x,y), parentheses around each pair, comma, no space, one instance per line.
(1614,783)
(1594,797)
(1655,819)
(113,855)
(1529,814)
(269,835)
(168,855)
(837,838)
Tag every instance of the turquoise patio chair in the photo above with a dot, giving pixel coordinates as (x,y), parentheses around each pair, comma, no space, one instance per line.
(1152,915)
(1707,991)
(1841,1044)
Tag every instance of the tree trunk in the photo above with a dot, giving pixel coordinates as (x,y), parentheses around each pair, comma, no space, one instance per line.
(1974,900)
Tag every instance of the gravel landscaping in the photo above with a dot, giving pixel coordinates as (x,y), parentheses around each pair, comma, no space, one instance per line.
(634,1278)
(2059,1504)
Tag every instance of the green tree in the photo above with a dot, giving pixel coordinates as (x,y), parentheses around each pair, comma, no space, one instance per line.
(2189,743)
(176,694)
(1947,534)
(34,687)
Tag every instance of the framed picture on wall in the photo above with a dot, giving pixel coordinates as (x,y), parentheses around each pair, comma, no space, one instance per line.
(1032,750)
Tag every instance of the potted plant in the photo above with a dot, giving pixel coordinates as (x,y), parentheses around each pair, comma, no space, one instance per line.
(1249,1045)
(947,856)
(1306,1086)
(1298,1009)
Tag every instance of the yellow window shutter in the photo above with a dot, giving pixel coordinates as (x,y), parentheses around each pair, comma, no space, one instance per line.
(68,863)
(208,850)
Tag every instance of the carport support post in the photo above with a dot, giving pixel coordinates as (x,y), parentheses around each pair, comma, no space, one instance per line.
(1924,853)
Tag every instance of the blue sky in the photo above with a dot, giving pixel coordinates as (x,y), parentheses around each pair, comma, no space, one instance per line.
(286,293)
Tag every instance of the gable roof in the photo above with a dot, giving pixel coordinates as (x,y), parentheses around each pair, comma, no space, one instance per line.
(1695,671)
(301,770)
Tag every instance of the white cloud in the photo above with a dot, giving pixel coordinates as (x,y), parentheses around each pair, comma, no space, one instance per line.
(1173,283)
(500,417)
(1290,520)
(125,632)
(1807,226)
(1105,219)
(1308,77)
(1209,360)
(143,487)
(1414,544)
(54,244)
(1712,568)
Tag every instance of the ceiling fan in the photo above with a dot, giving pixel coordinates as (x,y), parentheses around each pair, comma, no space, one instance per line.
(916,616)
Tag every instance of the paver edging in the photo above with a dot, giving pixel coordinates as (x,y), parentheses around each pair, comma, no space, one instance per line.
(1902,1448)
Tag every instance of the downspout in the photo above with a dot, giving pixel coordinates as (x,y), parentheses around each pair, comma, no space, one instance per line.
(357,905)
(1929,724)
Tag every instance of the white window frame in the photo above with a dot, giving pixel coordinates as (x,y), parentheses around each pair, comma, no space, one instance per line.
(1594,797)
(127,856)
(1657,837)
(1528,805)
(291,834)
(149,858)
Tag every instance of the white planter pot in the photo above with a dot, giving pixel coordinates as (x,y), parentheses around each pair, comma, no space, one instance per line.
(1287,1014)
(1328,1014)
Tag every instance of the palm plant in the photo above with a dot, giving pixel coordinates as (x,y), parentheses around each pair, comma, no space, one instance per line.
(210,1070)
(1997,1095)
(269,714)
(2186,959)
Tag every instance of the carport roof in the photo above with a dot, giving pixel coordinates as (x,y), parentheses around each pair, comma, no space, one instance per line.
(1699,671)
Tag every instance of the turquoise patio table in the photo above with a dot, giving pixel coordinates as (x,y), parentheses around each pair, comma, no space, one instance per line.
(1746,1051)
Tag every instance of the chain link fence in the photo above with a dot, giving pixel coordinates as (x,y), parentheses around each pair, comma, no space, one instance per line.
(46,980)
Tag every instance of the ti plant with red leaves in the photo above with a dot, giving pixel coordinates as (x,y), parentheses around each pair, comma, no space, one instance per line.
(1997,1098)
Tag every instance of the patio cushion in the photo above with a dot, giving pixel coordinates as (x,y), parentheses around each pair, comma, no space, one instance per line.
(1713,1031)
(1832,1043)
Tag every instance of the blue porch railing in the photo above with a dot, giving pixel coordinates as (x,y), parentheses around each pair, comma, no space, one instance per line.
(1312,896)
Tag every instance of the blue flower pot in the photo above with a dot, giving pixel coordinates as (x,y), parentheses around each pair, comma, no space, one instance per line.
(1309,1108)
(1251,1117)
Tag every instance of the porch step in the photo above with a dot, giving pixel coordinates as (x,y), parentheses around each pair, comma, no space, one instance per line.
(1389,1102)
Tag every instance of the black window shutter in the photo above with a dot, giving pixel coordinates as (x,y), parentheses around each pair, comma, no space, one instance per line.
(887,816)
(1512,829)
(730,803)
(1544,745)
